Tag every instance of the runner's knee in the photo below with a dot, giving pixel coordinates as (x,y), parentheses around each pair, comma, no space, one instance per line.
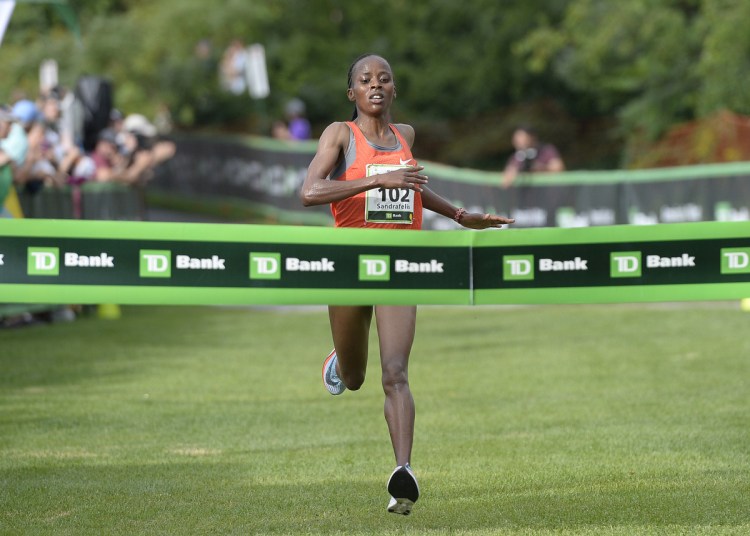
(394,375)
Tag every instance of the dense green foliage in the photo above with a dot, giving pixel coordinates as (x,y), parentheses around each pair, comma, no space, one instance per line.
(650,62)
(591,74)
(214,421)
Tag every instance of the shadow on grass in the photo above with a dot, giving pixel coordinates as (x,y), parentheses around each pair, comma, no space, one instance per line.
(91,349)
(201,497)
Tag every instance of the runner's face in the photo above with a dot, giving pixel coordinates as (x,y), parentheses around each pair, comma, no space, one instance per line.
(372,86)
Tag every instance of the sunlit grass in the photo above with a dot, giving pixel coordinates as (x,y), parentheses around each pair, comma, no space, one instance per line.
(536,420)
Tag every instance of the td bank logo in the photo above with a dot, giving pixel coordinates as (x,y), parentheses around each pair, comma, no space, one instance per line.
(625,264)
(374,268)
(518,267)
(265,265)
(155,263)
(735,261)
(43,261)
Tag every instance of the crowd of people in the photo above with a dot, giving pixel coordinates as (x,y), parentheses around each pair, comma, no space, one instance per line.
(40,145)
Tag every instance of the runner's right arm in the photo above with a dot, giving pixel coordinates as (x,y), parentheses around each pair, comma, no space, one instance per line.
(333,143)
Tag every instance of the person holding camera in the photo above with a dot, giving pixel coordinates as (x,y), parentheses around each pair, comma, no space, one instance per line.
(141,148)
(530,156)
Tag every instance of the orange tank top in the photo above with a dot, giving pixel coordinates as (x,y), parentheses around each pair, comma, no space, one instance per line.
(378,208)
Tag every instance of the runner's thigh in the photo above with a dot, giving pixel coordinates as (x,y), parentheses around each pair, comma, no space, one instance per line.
(396,326)
(350,326)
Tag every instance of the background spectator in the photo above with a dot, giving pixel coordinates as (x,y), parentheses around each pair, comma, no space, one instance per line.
(143,148)
(6,124)
(296,126)
(26,112)
(6,177)
(106,157)
(232,68)
(299,126)
(49,147)
(39,166)
(116,119)
(15,143)
(531,155)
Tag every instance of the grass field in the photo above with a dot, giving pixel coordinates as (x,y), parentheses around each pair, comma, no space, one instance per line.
(611,420)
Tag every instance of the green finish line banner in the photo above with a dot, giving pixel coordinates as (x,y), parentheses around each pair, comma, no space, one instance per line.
(63,261)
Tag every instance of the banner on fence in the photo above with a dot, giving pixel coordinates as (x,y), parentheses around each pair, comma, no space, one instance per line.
(269,174)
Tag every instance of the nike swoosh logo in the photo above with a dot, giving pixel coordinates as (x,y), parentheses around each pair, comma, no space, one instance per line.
(405,162)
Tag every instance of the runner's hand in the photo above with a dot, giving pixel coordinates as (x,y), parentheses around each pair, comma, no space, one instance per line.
(475,220)
(409,177)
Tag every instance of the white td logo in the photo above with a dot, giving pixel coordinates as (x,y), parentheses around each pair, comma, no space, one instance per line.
(625,264)
(735,260)
(43,261)
(265,265)
(518,267)
(374,267)
(156,263)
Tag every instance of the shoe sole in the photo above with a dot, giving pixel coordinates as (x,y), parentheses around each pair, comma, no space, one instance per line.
(401,506)
(404,489)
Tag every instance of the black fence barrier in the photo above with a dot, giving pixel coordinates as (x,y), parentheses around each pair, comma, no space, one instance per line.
(91,201)
(268,174)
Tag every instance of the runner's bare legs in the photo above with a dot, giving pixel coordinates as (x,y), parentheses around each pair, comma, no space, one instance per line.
(350,326)
(396,327)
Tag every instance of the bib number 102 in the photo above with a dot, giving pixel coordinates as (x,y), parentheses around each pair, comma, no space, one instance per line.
(394,195)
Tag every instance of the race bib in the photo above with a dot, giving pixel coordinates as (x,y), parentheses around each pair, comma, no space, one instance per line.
(388,205)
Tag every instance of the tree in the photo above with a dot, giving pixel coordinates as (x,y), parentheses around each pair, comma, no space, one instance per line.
(653,63)
(724,63)
(590,73)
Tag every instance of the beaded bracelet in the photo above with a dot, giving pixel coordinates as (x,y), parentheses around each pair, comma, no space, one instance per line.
(457,216)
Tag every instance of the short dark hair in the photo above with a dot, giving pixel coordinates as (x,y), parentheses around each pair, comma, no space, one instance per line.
(350,74)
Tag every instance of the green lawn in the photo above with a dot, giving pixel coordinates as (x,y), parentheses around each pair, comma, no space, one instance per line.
(592,420)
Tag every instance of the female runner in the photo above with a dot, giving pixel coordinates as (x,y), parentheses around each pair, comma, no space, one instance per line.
(354,160)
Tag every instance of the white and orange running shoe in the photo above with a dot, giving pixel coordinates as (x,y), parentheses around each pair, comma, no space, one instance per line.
(330,379)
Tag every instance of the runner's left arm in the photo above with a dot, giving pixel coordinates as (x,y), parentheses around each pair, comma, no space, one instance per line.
(471,220)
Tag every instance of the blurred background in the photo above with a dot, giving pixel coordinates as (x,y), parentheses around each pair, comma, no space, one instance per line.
(611,84)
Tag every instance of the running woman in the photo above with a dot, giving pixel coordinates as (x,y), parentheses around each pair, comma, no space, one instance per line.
(355,162)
